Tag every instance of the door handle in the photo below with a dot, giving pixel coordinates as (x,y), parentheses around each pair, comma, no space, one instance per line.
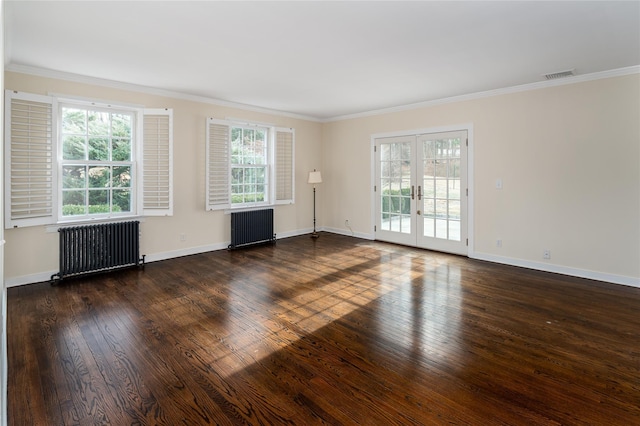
(419,192)
(419,212)
(413,195)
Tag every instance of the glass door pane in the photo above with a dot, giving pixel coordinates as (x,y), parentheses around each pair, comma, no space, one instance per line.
(441,203)
(441,183)
(395,206)
(395,185)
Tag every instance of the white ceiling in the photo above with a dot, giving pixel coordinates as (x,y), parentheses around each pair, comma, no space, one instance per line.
(322,59)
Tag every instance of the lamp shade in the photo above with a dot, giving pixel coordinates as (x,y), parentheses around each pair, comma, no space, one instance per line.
(315,177)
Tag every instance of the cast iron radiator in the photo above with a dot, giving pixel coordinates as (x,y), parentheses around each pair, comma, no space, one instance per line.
(251,227)
(97,248)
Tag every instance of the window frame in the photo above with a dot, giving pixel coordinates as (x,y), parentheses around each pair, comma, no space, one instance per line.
(33,191)
(267,166)
(134,162)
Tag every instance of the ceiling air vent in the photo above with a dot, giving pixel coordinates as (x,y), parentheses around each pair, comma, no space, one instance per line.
(560,74)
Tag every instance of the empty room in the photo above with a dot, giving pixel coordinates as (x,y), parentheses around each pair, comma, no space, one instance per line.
(318,212)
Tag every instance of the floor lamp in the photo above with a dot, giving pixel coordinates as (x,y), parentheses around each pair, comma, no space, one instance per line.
(314,178)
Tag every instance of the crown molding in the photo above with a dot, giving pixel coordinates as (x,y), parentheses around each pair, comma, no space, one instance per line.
(113,84)
(77,78)
(496,92)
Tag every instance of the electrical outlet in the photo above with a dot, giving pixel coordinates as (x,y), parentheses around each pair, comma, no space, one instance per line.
(498,243)
(183,237)
(346,223)
(546,254)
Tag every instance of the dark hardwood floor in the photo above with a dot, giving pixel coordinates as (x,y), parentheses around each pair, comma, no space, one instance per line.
(334,331)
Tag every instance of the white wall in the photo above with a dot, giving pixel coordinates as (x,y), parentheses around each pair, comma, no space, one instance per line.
(31,253)
(569,159)
(3,287)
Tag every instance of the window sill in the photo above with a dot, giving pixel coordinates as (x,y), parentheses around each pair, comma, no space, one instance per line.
(92,221)
(248,208)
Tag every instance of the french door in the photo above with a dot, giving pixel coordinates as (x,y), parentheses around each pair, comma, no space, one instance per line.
(421,190)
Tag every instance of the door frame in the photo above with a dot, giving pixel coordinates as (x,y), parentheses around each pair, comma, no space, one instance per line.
(470,173)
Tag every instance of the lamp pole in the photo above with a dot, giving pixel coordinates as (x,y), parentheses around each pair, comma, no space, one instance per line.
(314,234)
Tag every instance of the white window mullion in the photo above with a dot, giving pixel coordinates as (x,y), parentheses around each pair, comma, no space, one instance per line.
(157,162)
(218,172)
(30,176)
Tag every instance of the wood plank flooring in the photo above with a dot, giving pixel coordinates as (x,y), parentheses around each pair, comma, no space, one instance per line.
(337,331)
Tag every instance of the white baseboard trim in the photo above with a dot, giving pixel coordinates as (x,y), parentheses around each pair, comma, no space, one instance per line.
(29,279)
(295,233)
(155,257)
(212,247)
(349,233)
(558,269)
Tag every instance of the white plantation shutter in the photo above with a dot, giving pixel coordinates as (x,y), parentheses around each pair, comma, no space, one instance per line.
(30,129)
(157,149)
(217,165)
(284,171)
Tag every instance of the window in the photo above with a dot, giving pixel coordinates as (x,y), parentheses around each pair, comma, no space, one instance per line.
(74,161)
(97,167)
(248,165)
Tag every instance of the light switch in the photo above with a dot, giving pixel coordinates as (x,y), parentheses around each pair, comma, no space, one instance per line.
(498,183)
